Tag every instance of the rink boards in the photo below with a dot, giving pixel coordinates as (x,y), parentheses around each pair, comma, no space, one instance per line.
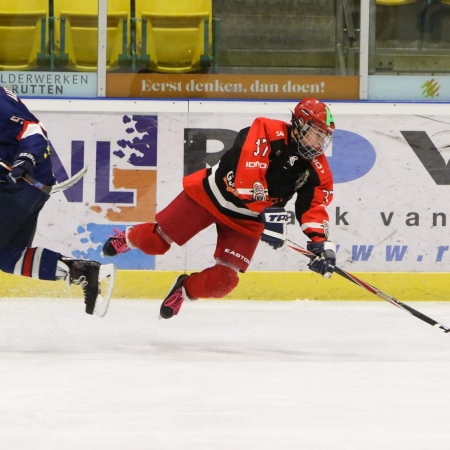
(389,217)
(253,286)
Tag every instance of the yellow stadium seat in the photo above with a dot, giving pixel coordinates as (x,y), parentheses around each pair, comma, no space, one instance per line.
(77,33)
(23,33)
(174,36)
(394,2)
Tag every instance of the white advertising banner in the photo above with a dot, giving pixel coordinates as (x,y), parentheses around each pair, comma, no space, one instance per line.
(392,184)
(50,84)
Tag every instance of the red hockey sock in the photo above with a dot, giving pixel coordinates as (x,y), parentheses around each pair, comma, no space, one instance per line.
(145,237)
(213,282)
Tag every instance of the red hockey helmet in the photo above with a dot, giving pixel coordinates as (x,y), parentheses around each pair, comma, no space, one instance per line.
(315,125)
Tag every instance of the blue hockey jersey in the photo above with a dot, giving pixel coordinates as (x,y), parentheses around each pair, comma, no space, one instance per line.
(22,132)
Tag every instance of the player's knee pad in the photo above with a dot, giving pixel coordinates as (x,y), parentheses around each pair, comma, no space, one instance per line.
(213,282)
(146,238)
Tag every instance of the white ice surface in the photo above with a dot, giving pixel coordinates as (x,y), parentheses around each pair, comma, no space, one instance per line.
(223,375)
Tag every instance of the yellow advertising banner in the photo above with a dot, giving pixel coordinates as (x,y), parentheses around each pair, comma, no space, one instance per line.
(260,87)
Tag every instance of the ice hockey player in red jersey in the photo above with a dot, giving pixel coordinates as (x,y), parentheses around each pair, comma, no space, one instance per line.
(244,196)
(25,149)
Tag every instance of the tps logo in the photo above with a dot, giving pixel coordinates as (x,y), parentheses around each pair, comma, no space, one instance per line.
(277,217)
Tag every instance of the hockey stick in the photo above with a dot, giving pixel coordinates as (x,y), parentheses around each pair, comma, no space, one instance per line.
(374,290)
(50,189)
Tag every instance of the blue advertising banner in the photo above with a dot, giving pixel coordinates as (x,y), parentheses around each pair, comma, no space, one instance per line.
(395,87)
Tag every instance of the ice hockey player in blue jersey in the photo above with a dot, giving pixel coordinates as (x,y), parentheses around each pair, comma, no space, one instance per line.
(24,146)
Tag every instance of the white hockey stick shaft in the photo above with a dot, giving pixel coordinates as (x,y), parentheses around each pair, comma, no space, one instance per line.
(374,290)
(50,189)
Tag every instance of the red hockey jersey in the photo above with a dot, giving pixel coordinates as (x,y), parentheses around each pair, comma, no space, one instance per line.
(264,169)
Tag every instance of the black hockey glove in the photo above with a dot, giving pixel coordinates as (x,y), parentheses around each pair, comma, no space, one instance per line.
(23,164)
(275,221)
(325,261)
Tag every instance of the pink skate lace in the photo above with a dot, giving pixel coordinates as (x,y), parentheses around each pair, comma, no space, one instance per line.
(175,300)
(119,241)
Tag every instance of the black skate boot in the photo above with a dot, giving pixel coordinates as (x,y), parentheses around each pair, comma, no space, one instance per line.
(85,273)
(175,298)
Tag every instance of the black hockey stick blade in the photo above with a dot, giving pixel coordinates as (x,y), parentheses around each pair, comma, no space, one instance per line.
(50,189)
(348,276)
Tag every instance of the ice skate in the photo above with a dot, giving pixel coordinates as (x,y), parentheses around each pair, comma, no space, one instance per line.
(172,303)
(93,277)
(116,244)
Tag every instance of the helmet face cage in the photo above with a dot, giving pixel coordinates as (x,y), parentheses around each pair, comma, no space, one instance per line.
(315,125)
(312,140)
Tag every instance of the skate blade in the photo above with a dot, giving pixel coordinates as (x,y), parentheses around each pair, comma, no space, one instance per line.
(106,278)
